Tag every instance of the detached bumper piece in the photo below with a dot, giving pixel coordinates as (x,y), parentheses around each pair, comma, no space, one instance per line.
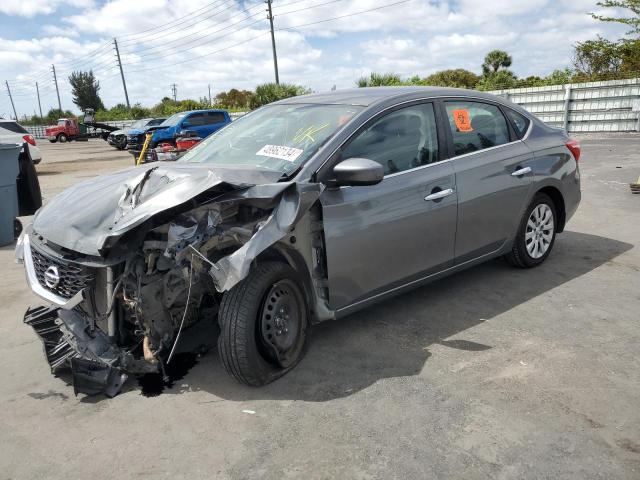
(94,360)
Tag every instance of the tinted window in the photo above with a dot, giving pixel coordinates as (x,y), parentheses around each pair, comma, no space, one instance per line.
(12,127)
(399,141)
(476,126)
(214,117)
(156,121)
(196,119)
(520,122)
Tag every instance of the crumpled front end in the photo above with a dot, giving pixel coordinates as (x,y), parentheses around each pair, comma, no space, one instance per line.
(123,291)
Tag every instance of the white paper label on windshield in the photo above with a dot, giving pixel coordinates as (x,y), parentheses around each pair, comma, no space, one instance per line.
(289,154)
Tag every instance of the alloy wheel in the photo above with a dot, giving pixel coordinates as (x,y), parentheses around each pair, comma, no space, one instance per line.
(539,231)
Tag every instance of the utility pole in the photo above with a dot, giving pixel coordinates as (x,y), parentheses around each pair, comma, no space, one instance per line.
(124,84)
(273,41)
(209,94)
(11,98)
(55,79)
(174,89)
(39,105)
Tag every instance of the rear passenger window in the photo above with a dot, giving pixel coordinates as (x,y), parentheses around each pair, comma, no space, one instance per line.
(519,121)
(197,119)
(401,140)
(476,126)
(215,117)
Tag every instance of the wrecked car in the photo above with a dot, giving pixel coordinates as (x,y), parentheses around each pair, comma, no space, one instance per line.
(302,211)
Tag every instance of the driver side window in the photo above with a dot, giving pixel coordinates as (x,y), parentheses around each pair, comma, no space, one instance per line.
(399,141)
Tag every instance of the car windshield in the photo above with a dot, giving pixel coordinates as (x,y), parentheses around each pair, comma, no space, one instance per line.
(62,123)
(139,124)
(173,120)
(275,137)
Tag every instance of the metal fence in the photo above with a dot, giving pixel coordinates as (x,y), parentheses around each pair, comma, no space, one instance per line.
(611,106)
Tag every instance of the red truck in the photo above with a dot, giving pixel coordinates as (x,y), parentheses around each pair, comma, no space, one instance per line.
(67,129)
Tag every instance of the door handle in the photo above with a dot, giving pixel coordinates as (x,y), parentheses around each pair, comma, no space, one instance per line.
(439,194)
(521,171)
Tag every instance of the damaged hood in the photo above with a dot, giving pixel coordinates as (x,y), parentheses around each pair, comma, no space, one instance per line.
(84,216)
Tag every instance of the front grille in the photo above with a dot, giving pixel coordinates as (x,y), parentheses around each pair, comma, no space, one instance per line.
(73,276)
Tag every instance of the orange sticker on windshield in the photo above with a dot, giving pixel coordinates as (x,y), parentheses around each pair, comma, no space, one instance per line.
(463,120)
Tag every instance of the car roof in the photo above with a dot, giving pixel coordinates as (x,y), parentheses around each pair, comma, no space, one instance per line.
(205,110)
(371,95)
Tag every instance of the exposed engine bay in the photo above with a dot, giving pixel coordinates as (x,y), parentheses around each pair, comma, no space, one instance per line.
(123,311)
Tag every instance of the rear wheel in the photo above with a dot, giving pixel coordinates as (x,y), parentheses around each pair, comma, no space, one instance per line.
(62,138)
(263,323)
(536,234)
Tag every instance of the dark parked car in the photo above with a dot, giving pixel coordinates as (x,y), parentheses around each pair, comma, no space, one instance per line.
(119,138)
(304,210)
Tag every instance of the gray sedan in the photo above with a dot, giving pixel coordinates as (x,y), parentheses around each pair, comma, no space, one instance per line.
(305,210)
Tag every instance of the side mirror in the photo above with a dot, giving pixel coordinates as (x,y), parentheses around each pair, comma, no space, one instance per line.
(357,171)
(185,124)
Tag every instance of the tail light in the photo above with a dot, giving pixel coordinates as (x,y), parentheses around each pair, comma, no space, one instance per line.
(574,148)
(29,139)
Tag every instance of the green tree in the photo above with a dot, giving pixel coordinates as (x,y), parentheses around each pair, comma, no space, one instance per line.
(457,78)
(629,51)
(598,58)
(85,88)
(633,20)
(380,80)
(235,99)
(271,92)
(499,80)
(494,60)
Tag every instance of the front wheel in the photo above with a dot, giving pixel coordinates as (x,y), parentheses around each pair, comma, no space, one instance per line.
(62,138)
(536,234)
(263,324)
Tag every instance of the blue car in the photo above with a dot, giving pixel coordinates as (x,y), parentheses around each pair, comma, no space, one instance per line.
(202,122)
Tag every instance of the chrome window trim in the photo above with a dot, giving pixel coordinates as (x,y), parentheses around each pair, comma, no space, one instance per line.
(426,99)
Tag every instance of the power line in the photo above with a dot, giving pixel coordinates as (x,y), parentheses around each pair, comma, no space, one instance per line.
(199,40)
(180,26)
(160,66)
(173,22)
(293,27)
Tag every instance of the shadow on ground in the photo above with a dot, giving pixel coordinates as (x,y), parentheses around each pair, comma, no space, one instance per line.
(392,339)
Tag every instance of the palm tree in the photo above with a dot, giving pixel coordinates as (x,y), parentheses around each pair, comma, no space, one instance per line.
(494,60)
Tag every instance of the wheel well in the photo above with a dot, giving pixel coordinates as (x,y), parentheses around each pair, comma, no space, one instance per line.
(558,202)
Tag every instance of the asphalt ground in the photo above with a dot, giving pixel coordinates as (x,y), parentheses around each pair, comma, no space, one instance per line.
(491,373)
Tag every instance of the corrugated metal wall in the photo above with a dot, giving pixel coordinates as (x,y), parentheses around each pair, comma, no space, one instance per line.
(583,107)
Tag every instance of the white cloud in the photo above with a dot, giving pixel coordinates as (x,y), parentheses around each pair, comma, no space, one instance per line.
(31,8)
(417,37)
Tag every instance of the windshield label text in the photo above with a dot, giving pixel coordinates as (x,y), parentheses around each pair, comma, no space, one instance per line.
(289,154)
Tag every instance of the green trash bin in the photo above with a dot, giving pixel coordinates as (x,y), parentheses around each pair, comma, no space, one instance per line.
(9,169)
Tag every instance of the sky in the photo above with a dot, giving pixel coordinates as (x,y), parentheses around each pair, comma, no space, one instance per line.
(226,43)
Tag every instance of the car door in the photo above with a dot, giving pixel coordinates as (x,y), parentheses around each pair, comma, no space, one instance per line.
(383,236)
(195,122)
(493,176)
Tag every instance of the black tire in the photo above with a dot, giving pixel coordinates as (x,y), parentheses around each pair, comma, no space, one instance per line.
(245,352)
(62,138)
(520,256)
